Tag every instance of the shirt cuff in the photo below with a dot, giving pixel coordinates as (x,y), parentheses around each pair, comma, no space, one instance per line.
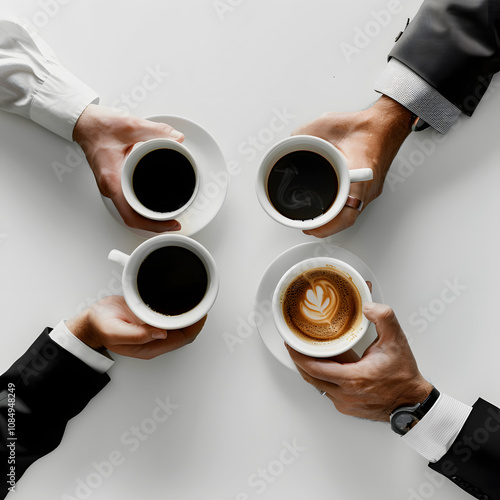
(82,351)
(433,436)
(403,85)
(60,101)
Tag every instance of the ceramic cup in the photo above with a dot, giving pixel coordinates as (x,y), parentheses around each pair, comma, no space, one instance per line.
(131,264)
(320,349)
(139,151)
(337,161)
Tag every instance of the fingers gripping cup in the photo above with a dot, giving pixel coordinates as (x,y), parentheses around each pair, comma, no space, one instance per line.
(169,281)
(304,181)
(160,179)
(317,307)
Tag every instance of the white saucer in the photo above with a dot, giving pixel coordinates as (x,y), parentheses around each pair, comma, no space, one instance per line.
(211,193)
(275,271)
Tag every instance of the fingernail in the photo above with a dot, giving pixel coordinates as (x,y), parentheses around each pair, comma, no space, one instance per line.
(175,134)
(160,335)
(368,306)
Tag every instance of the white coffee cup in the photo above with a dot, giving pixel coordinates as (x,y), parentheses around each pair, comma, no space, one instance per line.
(320,349)
(140,150)
(131,265)
(336,159)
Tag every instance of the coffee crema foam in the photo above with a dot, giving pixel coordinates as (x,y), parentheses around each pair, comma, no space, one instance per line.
(322,304)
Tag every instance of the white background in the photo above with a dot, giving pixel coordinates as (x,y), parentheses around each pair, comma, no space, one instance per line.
(237,408)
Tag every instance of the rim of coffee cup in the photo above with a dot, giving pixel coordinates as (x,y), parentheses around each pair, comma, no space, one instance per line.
(324,349)
(140,150)
(134,300)
(304,143)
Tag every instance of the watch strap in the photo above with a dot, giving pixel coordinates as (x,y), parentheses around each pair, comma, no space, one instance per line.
(427,404)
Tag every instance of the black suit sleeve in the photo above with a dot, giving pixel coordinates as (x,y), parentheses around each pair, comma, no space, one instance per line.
(473,461)
(455,46)
(39,393)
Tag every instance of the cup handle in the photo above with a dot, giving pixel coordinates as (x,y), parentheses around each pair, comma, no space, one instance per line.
(118,257)
(361,174)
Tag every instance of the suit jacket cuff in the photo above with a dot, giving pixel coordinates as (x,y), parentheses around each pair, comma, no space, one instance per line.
(472,461)
(45,371)
(51,387)
(411,91)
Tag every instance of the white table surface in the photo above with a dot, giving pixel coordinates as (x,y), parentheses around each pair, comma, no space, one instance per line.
(237,409)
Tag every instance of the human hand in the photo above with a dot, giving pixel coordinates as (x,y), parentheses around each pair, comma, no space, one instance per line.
(111,324)
(107,136)
(369,139)
(383,379)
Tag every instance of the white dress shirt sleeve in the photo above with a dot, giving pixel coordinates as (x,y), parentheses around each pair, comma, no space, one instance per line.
(433,436)
(82,351)
(35,85)
(403,85)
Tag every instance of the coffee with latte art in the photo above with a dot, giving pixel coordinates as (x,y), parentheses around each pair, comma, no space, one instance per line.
(322,304)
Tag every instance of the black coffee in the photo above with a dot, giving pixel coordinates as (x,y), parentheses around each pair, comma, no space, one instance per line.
(302,185)
(164,180)
(172,280)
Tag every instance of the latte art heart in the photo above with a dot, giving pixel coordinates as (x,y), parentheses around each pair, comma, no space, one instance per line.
(322,304)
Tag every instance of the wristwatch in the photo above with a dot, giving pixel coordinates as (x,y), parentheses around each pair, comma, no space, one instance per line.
(404,418)
(417,124)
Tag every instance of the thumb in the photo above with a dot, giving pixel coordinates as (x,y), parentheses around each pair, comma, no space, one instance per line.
(152,130)
(384,319)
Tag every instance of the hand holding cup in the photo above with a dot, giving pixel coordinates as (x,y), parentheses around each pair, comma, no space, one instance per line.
(107,136)
(368,139)
(383,379)
(110,324)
